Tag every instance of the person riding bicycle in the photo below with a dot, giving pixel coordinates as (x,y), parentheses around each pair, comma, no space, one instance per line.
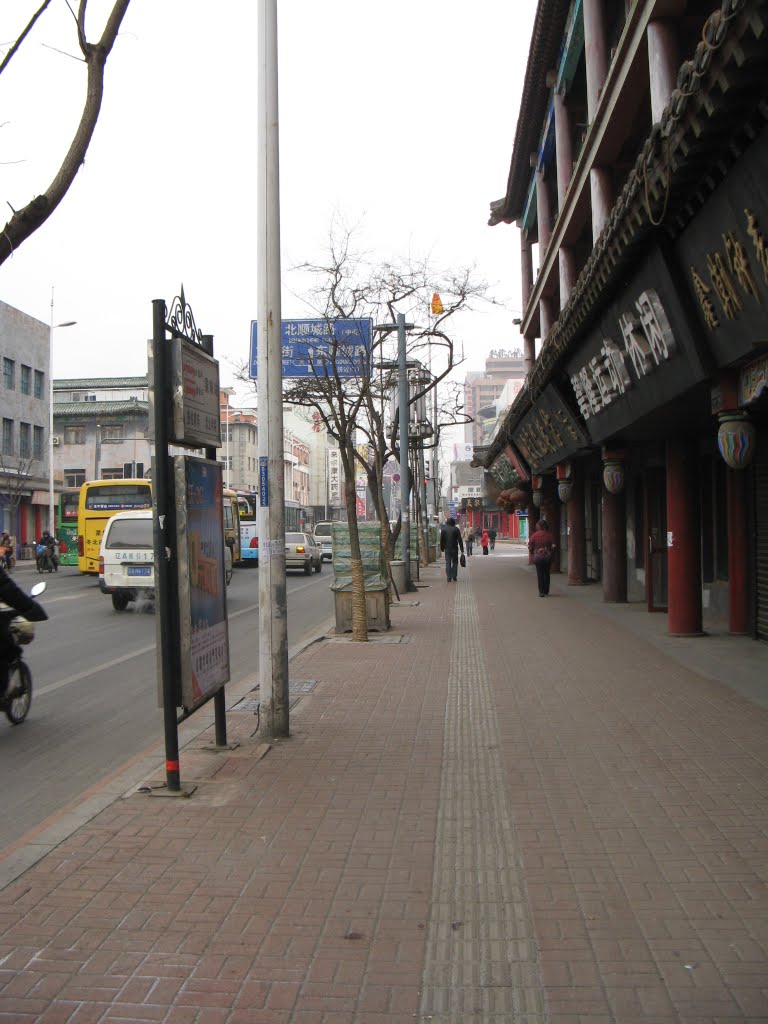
(51,546)
(6,549)
(15,598)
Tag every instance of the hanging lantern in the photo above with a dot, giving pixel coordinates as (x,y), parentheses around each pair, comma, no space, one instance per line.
(565,490)
(564,471)
(736,438)
(613,476)
(537,483)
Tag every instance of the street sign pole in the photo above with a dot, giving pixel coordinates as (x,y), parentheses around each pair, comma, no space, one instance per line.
(405,505)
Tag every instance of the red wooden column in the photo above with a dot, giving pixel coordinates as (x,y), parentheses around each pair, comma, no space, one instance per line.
(738,552)
(684,617)
(614,548)
(577,547)
(614,539)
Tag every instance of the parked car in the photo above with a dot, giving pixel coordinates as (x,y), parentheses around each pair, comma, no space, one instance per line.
(301,552)
(322,537)
(127,559)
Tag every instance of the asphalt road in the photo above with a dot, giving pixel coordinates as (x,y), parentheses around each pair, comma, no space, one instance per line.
(94,703)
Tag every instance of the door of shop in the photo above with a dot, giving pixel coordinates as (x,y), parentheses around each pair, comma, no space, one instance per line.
(656,539)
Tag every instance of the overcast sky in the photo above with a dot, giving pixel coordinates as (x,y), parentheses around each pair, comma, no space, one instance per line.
(400,116)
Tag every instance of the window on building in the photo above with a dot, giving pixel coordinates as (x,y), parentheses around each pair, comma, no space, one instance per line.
(26,379)
(39,380)
(113,432)
(89,398)
(9,373)
(74,477)
(112,473)
(37,442)
(25,440)
(74,435)
(8,437)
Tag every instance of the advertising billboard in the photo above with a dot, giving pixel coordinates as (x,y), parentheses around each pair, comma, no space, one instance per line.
(204,634)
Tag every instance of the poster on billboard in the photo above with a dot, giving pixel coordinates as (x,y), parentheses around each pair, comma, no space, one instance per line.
(203,628)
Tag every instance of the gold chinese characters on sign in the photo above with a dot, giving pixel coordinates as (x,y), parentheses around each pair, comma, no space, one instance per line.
(647,342)
(547,432)
(731,277)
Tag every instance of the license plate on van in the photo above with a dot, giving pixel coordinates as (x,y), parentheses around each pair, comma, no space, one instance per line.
(139,570)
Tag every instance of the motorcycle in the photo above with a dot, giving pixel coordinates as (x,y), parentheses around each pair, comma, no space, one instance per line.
(7,558)
(45,559)
(19,632)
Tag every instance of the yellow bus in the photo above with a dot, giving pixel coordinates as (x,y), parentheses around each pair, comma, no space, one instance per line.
(99,501)
(231,517)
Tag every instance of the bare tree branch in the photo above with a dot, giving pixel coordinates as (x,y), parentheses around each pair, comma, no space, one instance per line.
(15,48)
(27,220)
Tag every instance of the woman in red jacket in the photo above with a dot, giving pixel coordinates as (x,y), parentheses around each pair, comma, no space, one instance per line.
(541,544)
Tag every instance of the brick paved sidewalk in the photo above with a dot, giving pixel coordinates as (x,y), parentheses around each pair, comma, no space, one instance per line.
(519,812)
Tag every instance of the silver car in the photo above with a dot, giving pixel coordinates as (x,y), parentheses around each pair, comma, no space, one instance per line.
(301,552)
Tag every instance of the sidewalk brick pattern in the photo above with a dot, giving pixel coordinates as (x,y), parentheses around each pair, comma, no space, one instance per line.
(481,961)
(527,812)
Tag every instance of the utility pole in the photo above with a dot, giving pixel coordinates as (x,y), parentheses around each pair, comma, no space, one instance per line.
(273,611)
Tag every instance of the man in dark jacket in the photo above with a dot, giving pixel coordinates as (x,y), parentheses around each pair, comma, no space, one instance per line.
(15,598)
(451,543)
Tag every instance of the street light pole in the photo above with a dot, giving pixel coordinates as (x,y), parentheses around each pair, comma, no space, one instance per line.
(51,502)
(273,609)
(405,505)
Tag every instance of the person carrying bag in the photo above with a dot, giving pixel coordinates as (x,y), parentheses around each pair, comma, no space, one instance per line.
(541,545)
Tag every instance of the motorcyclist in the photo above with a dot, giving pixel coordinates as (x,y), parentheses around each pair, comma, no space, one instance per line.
(52,548)
(6,547)
(15,598)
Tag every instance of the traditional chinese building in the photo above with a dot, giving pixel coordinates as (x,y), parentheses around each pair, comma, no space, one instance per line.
(638,187)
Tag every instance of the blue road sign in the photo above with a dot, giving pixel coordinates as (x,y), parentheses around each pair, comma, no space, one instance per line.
(263,481)
(311,346)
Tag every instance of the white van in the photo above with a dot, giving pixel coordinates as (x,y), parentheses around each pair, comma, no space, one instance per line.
(322,537)
(127,559)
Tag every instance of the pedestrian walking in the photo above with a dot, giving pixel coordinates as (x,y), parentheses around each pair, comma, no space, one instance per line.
(469,536)
(541,544)
(451,542)
(492,537)
(484,541)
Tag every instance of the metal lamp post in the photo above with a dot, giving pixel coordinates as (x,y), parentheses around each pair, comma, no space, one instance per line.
(51,503)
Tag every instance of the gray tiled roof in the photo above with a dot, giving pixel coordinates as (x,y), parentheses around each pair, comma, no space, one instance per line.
(85,383)
(95,409)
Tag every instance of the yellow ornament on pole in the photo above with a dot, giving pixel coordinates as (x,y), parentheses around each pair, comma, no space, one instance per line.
(437,306)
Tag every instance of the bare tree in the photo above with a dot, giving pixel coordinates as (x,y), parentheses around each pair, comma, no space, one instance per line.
(355,409)
(29,218)
(15,476)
